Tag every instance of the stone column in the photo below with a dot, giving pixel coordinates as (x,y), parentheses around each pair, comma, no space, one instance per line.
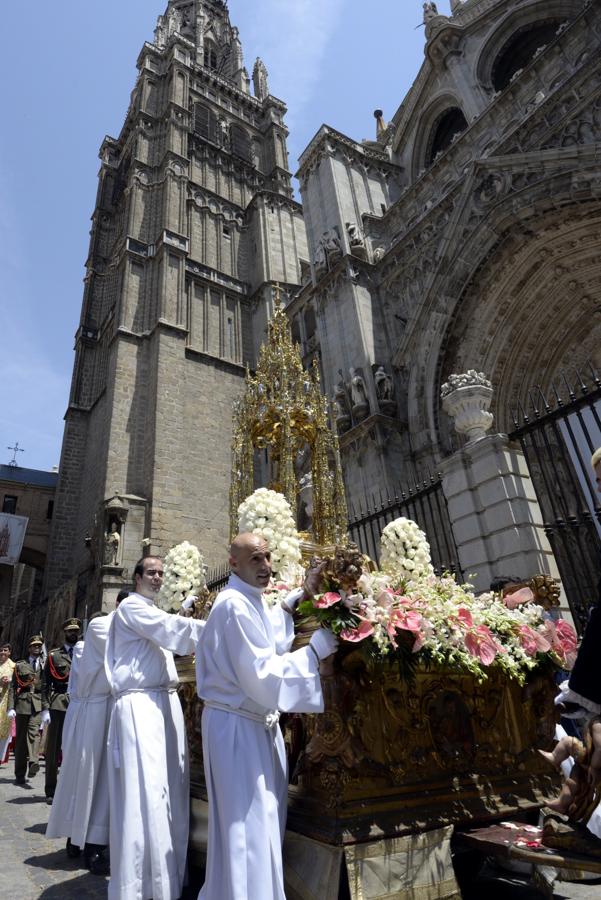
(496,518)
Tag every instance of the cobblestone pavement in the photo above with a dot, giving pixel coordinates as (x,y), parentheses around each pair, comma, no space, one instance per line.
(36,868)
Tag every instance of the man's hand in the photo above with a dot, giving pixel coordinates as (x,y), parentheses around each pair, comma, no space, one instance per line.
(291,602)
(11,714)
(187,607)
(323,643)
(45,720)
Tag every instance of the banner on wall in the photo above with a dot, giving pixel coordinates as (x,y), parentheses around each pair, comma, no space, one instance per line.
(12,535)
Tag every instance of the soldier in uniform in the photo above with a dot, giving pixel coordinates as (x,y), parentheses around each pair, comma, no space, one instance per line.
(56,698)
(26,703)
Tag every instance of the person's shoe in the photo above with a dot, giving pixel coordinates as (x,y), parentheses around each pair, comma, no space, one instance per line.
(20,781)
(73,851)
(33,769)
(49,800)
(98,862)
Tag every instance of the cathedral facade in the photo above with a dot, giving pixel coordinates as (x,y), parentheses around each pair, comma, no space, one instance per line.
(465,236)
(194,225)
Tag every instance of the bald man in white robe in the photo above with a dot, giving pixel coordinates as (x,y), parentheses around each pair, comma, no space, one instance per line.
(246,676)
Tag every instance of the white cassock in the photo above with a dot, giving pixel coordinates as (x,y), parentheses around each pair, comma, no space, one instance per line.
(147,751)
(80,809)
(244,673)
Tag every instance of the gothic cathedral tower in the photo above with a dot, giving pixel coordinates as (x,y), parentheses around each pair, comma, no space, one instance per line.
(194,224)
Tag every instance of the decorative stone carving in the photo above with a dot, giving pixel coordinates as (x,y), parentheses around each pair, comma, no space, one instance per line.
(327,252)
(160,33)
(356,239)
(430,12)
(456,6)
(174,21)
(112,545)
(260,80)
(466,399)
(385,391)
(359,399)
(342,412)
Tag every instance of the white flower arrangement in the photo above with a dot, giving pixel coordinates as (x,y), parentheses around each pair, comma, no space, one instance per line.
(405,551)
(184,575)
(268,514)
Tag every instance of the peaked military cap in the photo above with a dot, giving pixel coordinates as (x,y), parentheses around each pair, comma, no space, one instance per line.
(71,625)
(35,639)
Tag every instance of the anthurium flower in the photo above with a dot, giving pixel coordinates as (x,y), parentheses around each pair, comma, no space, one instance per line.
(354,635)
(481,644)
(323,601)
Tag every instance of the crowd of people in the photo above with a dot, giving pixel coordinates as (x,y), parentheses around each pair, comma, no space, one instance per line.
(109,704)
(122,798)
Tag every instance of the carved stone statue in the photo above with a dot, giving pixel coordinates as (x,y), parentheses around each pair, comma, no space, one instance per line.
(384,384)
(358,396)
(385,391)
(112,546)
(342,413)
(456,5)
(430,12)
(260,80)
(355,235)
(160,33)
(331,243)
(237,54)
(174,21)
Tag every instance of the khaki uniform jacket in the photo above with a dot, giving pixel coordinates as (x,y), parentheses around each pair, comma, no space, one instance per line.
(56,680)
(25,691)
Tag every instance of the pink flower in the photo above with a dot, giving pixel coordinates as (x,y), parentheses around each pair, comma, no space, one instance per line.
(354,635)
(419,641)
(465,617)
(566,636)
(532,641)
(385,598)
(407,621)
(518,598)
(480,643)
(326,600)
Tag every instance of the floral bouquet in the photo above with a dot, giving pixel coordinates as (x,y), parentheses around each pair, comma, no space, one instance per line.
(268,514)
(184,575)
(407,615)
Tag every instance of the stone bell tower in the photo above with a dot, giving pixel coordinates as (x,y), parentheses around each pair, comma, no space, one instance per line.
(194,225)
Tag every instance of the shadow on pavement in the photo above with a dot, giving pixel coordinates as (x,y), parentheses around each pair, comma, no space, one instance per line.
(79,888)
(37,829)
(19,801)
(57,861)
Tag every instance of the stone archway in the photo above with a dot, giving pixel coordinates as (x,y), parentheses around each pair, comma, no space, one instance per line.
(532,309)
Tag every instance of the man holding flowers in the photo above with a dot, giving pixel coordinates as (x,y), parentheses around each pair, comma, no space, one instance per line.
(246,675)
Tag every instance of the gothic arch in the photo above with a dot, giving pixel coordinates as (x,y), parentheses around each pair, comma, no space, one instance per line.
(522,306)
(516,38)
(435,126)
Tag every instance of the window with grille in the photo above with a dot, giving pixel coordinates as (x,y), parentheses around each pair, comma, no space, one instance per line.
(205,123)
(241,145)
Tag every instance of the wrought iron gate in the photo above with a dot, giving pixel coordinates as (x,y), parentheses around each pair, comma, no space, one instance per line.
(425,504)
(558,432)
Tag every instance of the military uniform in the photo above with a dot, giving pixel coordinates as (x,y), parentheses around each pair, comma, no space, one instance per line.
(56,698)
(25,697)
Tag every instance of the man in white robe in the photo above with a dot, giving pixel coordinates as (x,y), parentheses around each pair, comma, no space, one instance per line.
(245,676)
(147,752)
(80,810)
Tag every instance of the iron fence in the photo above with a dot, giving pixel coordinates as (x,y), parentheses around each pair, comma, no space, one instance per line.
(217,578)
(425,503)
(558,431)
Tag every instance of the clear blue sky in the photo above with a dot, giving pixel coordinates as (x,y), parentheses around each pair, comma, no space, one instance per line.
(67,69)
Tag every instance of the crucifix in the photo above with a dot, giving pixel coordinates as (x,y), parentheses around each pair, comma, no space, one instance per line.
(16,449)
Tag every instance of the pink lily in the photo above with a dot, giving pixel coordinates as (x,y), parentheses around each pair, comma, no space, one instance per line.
(354,635)
(326,600)
(480,643)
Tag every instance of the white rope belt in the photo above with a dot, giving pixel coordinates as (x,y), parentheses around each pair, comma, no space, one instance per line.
(268,720)
(145,690)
